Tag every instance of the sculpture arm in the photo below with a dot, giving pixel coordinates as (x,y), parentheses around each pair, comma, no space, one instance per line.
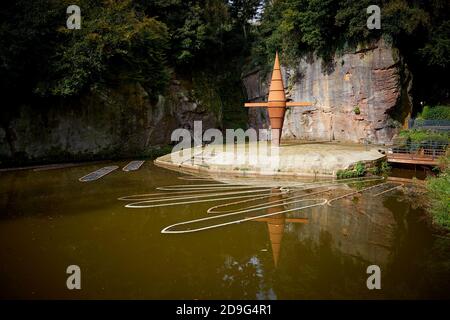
(256,104)
(298,104)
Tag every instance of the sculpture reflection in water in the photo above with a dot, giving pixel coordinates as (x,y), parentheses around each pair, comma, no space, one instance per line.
(276,223)
(272,202)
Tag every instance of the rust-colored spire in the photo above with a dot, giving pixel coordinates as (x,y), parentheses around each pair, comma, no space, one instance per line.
(276,103)
(276,64)
(276,90)
(276,223)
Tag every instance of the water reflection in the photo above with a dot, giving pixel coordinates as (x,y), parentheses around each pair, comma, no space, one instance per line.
(276,223)
(49,220)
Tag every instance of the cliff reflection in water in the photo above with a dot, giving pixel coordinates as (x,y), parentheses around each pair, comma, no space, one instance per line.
(49,220)
(358,226)
(323,252)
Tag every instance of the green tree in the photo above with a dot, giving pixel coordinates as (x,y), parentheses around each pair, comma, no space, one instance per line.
(114,44)
(419,29)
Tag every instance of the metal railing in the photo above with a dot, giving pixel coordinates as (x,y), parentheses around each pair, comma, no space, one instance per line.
(430,150)
(439,125)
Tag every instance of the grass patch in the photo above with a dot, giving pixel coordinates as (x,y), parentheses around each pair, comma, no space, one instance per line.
(439,193)
(358,171)
(418,135)
(435,113)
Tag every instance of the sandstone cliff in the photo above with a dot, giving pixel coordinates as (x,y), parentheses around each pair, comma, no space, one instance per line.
(362,96)
(107,122)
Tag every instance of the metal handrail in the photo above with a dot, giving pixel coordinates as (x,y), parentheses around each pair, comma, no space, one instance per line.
(425,149)
(418,123)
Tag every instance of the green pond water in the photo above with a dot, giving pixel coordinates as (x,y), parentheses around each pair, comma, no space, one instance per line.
(50,220)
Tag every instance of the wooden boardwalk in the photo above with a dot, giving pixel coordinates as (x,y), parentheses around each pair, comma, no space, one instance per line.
(412,159)
(421,153)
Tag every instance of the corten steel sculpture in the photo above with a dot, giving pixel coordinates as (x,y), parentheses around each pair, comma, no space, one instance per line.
(277,103)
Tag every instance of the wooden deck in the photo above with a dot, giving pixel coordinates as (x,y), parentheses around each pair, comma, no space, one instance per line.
(413,152)
(412,159)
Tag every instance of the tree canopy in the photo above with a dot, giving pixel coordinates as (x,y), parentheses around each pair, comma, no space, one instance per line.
(147,40)
(419,29)
(323,26)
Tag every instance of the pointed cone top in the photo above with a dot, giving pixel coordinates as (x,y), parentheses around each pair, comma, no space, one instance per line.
(276,89)
(276,231)
(276,65)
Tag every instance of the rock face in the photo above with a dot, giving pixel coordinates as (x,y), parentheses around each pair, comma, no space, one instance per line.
(360,97)
(108,122)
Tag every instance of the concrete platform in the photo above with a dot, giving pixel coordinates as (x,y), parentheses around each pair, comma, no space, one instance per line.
(261,159)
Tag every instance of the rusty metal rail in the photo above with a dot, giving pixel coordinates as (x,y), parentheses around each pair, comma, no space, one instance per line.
(417,152)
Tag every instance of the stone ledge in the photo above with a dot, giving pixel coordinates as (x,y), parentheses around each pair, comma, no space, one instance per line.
(293,159)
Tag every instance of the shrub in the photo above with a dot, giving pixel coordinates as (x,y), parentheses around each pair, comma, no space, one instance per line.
(346,174)
(439,193)
(435,113)
(419,122)
(382,167)
(114,43)
(415,135)
(385,167)
(358,171)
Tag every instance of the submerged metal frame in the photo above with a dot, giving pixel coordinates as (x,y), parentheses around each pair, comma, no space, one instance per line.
(200,193)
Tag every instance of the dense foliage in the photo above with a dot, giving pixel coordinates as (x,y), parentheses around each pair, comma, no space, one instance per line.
(40,56)
(151,40)
(301,26)
(115,43)
(419,135)
(435,113)
(146,41)
(439,192)
(420,29)
(358,171)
